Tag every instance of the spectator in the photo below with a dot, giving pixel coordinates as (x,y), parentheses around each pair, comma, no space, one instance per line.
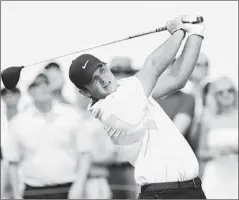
(10,106)
(56,79)
(219,141)
(122,172)
(194,87)
(11,99)
(43,143)
(179,106)
(103,153)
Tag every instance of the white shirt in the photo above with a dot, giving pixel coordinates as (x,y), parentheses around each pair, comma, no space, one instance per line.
(47,147)
(4,123)
(145,135)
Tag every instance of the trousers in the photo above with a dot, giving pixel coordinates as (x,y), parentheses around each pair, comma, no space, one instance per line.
(191,189)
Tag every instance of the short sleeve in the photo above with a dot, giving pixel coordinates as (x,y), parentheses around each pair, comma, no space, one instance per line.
(11,148)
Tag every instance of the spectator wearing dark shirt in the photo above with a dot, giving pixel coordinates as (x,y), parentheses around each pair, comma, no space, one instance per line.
(179,106)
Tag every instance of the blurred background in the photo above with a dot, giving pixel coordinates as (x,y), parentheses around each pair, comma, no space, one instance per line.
(36,31)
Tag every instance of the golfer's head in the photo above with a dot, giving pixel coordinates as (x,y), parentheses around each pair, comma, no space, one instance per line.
(92,77)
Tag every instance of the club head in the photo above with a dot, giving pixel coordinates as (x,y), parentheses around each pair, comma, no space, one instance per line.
(10,76)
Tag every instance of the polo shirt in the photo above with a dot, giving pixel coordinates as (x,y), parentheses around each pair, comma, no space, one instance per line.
(46,146)
(145,135)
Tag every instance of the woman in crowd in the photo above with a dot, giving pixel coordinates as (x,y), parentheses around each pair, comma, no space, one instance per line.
(219,140)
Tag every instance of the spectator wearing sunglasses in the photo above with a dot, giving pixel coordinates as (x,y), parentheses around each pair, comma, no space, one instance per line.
(219,140)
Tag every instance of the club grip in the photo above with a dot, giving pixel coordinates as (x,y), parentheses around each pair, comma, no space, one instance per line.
(198,20)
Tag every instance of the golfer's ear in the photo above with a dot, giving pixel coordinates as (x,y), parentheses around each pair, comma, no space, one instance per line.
(85,93)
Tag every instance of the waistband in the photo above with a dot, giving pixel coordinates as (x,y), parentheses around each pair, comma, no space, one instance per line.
(48,189)
(193,183)
(120,165)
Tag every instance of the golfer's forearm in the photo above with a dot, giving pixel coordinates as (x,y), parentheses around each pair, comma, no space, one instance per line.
(184,65)
(164,55)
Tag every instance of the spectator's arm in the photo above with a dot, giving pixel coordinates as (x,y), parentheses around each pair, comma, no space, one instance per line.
(4,178)
(15,180)
(183,119)
(12,154)
(83,148)
(84,164)
(204,151)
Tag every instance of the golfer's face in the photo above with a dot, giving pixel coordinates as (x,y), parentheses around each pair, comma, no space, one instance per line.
(103,83)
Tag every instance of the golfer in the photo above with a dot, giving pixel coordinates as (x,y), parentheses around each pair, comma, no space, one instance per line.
(165,165)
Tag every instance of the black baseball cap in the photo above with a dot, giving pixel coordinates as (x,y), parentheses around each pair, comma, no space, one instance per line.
(82,69)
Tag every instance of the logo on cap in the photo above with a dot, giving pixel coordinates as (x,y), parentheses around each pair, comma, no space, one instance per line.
(84,66)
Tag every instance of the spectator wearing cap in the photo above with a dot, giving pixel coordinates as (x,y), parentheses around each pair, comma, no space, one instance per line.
(43,142)
(121,171)
(56,81)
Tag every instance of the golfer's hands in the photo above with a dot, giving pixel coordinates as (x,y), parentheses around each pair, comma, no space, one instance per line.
(174,25)
(192,29)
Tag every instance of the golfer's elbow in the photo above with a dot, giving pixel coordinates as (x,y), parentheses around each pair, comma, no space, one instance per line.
(179,83)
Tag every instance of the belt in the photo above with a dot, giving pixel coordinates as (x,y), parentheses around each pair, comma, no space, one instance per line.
(44,190)
(193,183)
(120,165)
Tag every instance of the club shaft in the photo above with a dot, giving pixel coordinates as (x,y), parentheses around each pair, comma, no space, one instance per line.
(101,45)
(199,19)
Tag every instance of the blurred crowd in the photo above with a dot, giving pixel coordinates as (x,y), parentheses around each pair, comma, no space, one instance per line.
(53,148)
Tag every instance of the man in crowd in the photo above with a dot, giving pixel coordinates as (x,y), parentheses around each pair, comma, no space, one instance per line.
(11,98)
(56,81)
(43,142)
(10,108)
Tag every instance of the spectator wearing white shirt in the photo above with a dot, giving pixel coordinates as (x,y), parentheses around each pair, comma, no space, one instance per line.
(43,143)
(10,108)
